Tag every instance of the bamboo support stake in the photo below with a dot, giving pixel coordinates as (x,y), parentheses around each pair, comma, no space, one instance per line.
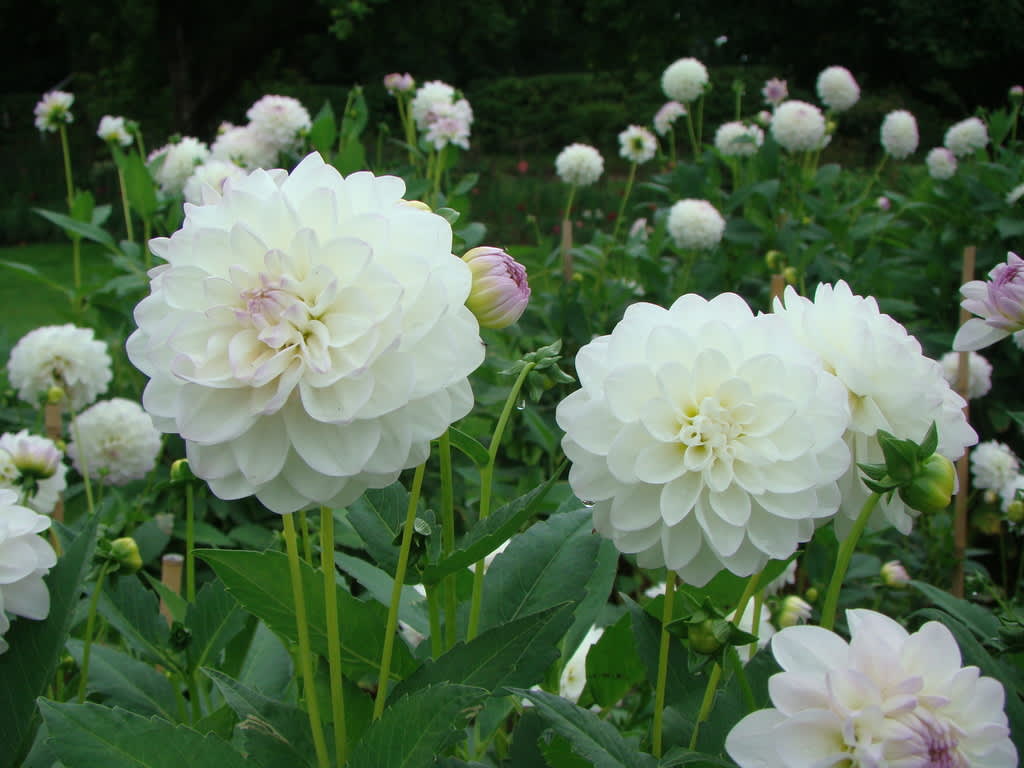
(962,466)
(170,575)
(778,287)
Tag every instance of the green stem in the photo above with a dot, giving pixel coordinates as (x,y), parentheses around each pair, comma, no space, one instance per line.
(693,135)
(486,480)
(828,612)
(672,145)
(451,597)
(190,543)
(706,703)
(124,205)
(741,676)
(700,123)
(68,181)
(435,194)
(396,592)
(625,200)
(84,461)
(192,683)
(333,633)
(305,655)
(568,204)
(90,623)
(434,614)
(659,691)
(307,542)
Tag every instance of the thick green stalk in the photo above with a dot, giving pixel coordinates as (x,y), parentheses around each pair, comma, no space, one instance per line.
(451,599)
(706,703)
(434,614)
(90,624)
(333,634)
(659,691)
(828,611)
(307,542)
(625,200)
(694,144)
(396,593)
(190,543)
(124,205)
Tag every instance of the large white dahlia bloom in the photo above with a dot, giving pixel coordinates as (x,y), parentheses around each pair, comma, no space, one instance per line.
(308,336)
(887,698)
(798,126)
(115,441)
(33,466)
(891,385)
(684,80)
(62,356)
(579,164)
(25,558)
(706,437)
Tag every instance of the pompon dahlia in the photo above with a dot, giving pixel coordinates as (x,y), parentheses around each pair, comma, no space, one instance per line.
(115,441)
(579,165)
(886,698)
(695,224)
(114,130)
(54,110)
(706,436)
(212,174)
(966,137)
(430,97)
(890,383)
(737,139)
(25,558)
(837,89)
(307,337)
(667,115)
(899,134)
(684,80)
(993,465)
(62,356)
(637,144)
(279,121)
(798,126)
(172,164)
(941,164)
(241,145)
(979,373)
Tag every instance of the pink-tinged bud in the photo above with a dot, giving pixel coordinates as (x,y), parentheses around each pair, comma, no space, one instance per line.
(998,304)
(1017,94)
(883,203)
(500,290)
(775,91)
(895,575)
(399,83)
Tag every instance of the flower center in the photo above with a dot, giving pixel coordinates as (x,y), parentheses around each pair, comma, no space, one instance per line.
(934,743)
(706,431)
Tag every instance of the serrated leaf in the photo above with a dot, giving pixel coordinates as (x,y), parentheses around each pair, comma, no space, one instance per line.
(680,756)
(378,517)
(647,636)
(267,665)
(411,605)
(598,589)
(126,682)
(134,611)
(214,618)
(982,622)
(613,666)
(176,604)
(138,182)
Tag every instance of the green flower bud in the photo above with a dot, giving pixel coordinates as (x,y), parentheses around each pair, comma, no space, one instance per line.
(932,487)
(773,259)
(791,275)
(811,594)
(1015,511)
(126,552)
(54,395)
(702,637)
(181,472)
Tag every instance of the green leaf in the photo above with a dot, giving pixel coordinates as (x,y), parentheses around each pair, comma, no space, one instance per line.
(87,735)
(378,517)
(134,611)
(680,681)
(204,533)
(176,604)
(126,682)
(138,183)
(267,665)
(417,728)
(76,228)
(351,156)
(465,184)
(982,622)
(37,276)
(411,606)
(214,618)
(472,234)
(35,646)
(591,737)
(598,587)
(469,446)
(613,666)
(353,122)
(324,131)
(680,756)
(448,214)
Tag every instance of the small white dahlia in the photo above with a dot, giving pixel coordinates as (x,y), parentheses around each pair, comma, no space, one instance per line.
(307,337)
(737,139)
(706,436)
(396,82)
(684,80)
(39,472)
(62,356)
(965,138)
(53,111)
(775,91)
(579,165)
(25,558)
(979,373)
(212,174)
(113,129)
(243,146)
(837,89)
(890,383)
(447,130)
(115,441)
(172,164)
(667,115)
(886,698)
(993,465)
(574,674)
(637,144)
(279,121)
(798,126)
(431,97)
(695,224)
(899,134)
(941,164)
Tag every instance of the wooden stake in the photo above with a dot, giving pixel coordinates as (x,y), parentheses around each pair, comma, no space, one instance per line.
(778,287)
(170,575)
(962,466)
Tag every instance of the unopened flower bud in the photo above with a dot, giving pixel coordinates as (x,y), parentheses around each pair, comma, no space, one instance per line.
(702,637)
(1016,94)
(126,552)
(764,118)
(883,203)
(895,575)
(932,487)
(772,260)
(1015,511)
(500,290)
(397,82)
(795,610)
(790,274)
(990,496)
(54,395)
(830,127)
(811,594)
(181,472)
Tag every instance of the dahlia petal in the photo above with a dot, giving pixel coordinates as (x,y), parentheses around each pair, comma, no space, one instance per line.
(793,692)
(17,560)
(722,537)
(679,496)
(811,739)
(680,543)
(28,597)
(932,652)
(211,415)
(977,334)
(775,537)
(636,509)
(593,427)
(627,389)
(732,504)
(622,453)
(751,742)
(260,453)
(660,463)
(809,650)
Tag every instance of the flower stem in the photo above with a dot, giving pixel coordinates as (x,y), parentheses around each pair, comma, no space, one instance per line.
(659,690)
(396,593)
(705,705)
(625,200)
(448,539)
(84,461)
(124,205)
(90,624)
(434,614)
(190,543)
(76,244)
(305,655)
(333,633)
(307,542)
(741,676)
(828,611)
(486,480)
(693,135)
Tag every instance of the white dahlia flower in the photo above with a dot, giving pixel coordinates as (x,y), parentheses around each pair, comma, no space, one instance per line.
(890,383)
(574,673)
(780,582)
(706,436)
(637,144)
(665,117)
(54,110)
(899,134)
(979,373)
(684,80)
(279,121)
(579,165)
(1008,493)
(798,126)
(430,98)
(113,129)
(25,558)
(172,164)
(737,139)
(243,146)
(888,698)
(966,137)
(115,441)
(307,337)
(33,465)
(60,356)
(993,465)
(941,164)
(695,224)
(837,89)
(212,174)
(449,129)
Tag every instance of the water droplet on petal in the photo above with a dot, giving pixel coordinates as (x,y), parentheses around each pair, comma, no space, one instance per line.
(587,503)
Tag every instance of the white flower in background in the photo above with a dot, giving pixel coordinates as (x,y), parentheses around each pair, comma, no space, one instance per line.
(894,575)
(888,698)
(965,138)
(941,164)
(695,224)
(780,582)
(1008,493)
(993,465)
(430,97)
(684,80)
(449,130)
(279,121)
(794,610)
(837,89)
(308,336)
(798,126)
(574,674)
(25,558)
(655,589)
(775,91)
(579,165)
(172,164)
(891,385)
(764,633)
(708,438)
(54,110)
(211,174)
(39,471)
(396,82)
(736,139)
(113,129)
(666,117)
(637,144)
(763,118)
(60,356)
(243,146)
(1015,194)
(899,134)
(115,441)
(979,373)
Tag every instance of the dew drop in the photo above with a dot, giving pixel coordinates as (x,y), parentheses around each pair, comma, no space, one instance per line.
(588,503)
(521,405)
